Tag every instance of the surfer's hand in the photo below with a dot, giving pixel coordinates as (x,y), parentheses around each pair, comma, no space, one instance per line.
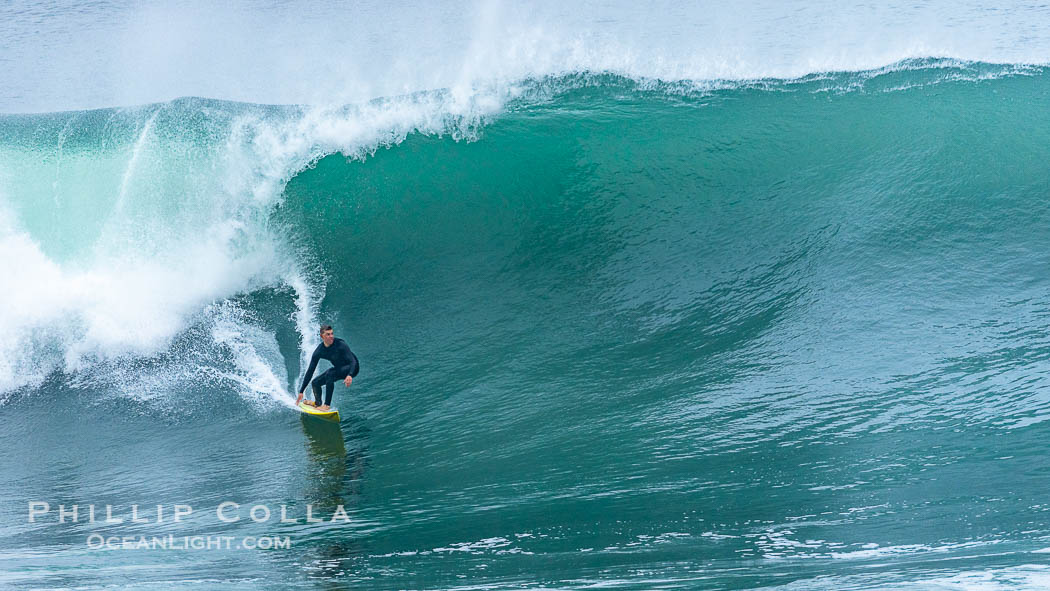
(299,399)
(347,381)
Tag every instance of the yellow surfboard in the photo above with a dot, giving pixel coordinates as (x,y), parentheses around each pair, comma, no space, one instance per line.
(327,415)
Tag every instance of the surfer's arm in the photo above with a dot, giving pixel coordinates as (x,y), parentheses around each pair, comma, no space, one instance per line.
(347,369)
(350,369)
(309,372)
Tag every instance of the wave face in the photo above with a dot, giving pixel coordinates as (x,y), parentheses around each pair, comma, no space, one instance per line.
(646,332)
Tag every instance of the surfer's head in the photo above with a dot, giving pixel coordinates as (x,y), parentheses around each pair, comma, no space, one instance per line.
(327,335)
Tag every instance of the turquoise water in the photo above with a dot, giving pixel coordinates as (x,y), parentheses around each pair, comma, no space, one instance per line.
(615,331)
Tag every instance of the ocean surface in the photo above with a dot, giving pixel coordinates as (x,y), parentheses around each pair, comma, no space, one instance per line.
(694,296)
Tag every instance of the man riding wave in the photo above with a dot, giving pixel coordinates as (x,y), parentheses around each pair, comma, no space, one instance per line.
(344,367)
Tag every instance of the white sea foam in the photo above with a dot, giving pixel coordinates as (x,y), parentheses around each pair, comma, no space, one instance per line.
(317,52)
(172,239)
(1026,576)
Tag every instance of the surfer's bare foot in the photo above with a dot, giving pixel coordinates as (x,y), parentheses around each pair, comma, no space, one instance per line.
(324,407)
(309,403)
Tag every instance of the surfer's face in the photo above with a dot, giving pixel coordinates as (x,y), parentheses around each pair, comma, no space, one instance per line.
(328,337)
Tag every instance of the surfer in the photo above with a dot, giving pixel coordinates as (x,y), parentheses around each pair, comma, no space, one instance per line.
(344,367)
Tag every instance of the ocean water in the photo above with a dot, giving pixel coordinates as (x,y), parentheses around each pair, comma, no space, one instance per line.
(686,296)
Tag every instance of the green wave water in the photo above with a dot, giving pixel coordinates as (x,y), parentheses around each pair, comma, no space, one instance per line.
(613,332)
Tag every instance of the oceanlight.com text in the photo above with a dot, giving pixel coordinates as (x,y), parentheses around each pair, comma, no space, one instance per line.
(173,542)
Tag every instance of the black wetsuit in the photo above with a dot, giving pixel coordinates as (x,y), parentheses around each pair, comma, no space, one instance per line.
(344,363)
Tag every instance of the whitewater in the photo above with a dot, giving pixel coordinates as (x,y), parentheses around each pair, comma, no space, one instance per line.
(680,296)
